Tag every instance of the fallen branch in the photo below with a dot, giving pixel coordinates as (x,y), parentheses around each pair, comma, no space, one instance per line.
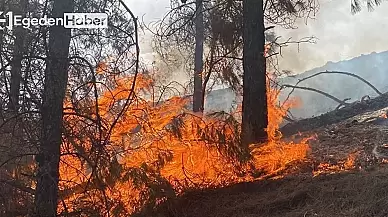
(344,73)
(336,116)
(334,72)
(341,102)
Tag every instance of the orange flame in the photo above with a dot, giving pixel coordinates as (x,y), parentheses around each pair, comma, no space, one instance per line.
(167,142)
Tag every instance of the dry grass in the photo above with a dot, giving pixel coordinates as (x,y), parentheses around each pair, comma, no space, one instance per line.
(345,194)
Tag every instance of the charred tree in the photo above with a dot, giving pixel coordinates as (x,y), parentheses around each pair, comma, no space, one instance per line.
(254,106)
(56,74)
(198,98)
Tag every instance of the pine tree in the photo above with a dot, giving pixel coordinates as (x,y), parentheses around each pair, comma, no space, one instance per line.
(255,117)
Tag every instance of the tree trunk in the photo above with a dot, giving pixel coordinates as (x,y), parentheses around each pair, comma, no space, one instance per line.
(46,196)
(2,8)
(14,130)
(198,65)
(20,8)
(3,77)
(254,106)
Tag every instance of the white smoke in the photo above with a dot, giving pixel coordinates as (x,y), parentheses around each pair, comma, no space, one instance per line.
(341,36)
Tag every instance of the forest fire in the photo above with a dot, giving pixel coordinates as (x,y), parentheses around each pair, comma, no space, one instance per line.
(345,165)
(158,152)
(111,122)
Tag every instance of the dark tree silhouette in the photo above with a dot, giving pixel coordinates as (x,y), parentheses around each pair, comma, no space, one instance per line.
(56,74)
(198,62)
(255,115)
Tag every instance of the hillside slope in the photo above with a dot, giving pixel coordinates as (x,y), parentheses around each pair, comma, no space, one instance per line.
(371,67)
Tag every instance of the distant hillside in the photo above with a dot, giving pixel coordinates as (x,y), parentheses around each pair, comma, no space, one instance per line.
(372,67)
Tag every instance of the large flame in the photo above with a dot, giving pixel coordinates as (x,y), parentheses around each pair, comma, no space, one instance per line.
(162,151)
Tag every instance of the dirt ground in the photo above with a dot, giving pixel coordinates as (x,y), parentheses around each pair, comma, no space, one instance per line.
(351,181)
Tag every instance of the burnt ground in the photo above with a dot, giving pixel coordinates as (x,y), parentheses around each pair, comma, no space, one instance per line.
(359,189)
(337,115)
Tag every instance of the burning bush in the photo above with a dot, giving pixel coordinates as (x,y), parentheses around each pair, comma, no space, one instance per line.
(145,153)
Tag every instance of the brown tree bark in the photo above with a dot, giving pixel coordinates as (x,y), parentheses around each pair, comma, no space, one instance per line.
(198,100)
(56,76)
(255,115)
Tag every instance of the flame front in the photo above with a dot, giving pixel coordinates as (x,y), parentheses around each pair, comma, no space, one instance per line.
(157,152)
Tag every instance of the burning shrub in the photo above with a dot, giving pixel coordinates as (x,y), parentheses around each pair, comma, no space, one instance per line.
(126,154)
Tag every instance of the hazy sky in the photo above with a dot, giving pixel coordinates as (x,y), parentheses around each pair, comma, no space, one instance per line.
(341,35)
